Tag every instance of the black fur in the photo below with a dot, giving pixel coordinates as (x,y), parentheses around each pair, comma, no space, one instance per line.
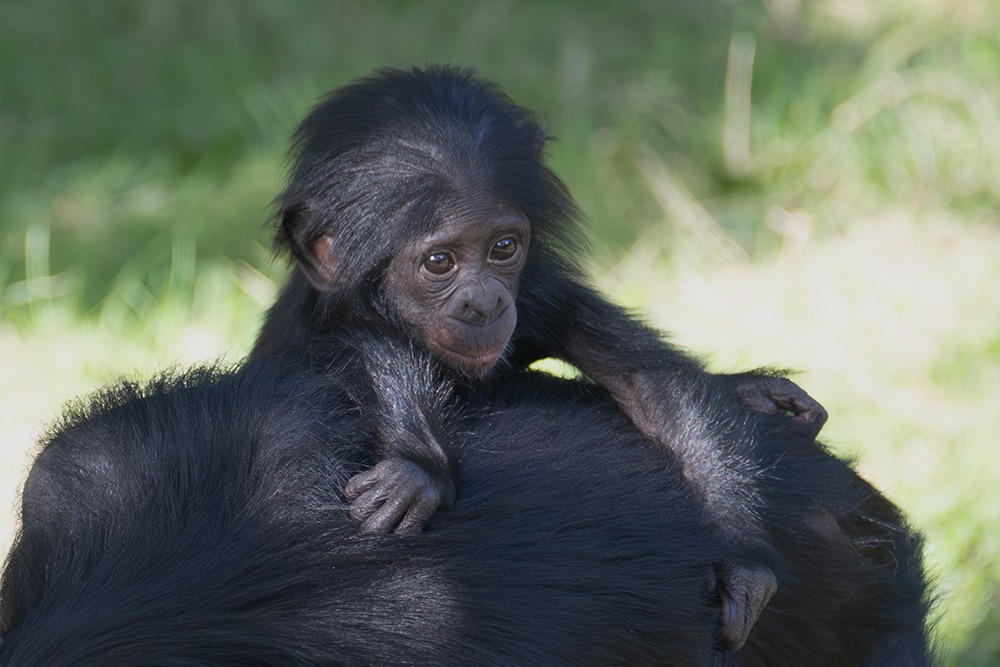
(384,161)
(198,522)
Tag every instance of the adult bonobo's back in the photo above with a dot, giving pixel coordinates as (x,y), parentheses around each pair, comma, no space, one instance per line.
(193,522)
(438,250)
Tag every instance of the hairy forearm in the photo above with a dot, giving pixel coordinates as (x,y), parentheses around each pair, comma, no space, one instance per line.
(573,322)
(411,406)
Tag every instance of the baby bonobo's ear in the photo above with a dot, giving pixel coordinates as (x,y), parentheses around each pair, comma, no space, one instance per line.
(315,255)
(319,263)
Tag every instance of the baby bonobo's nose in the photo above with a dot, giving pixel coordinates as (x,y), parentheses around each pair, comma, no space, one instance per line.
(479,304)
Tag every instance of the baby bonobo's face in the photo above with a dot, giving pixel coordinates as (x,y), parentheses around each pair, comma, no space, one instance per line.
(457,286)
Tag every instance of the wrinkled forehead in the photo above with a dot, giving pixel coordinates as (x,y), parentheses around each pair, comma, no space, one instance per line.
(469,218)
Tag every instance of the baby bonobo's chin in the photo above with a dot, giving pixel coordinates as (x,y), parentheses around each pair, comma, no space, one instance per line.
(475,364)
(471,350)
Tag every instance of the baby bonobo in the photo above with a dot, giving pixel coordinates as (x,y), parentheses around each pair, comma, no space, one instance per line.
(437,251)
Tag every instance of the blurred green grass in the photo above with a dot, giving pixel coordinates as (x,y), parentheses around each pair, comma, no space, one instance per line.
(807,184)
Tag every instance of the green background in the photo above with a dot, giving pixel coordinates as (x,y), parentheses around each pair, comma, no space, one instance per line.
(811,184)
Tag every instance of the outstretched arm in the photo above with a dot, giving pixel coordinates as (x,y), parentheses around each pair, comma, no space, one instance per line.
(662,390)
(564,318)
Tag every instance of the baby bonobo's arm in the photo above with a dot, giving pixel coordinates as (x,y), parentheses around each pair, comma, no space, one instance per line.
(408,407)
(562,317)
(675,403)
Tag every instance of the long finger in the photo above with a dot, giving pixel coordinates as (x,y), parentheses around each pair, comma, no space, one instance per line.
(416,518)
(387,516)
(360,483)
(368,503)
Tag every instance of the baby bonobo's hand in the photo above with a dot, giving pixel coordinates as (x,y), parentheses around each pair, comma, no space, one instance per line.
(396,494)
(771,394)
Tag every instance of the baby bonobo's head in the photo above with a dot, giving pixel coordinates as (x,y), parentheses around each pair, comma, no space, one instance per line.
(414,198)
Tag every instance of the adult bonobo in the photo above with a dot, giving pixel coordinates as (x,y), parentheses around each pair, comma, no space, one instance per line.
(198,522)
(422,217)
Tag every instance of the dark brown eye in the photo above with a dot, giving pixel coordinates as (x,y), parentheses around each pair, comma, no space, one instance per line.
(504,250)
(439,263)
